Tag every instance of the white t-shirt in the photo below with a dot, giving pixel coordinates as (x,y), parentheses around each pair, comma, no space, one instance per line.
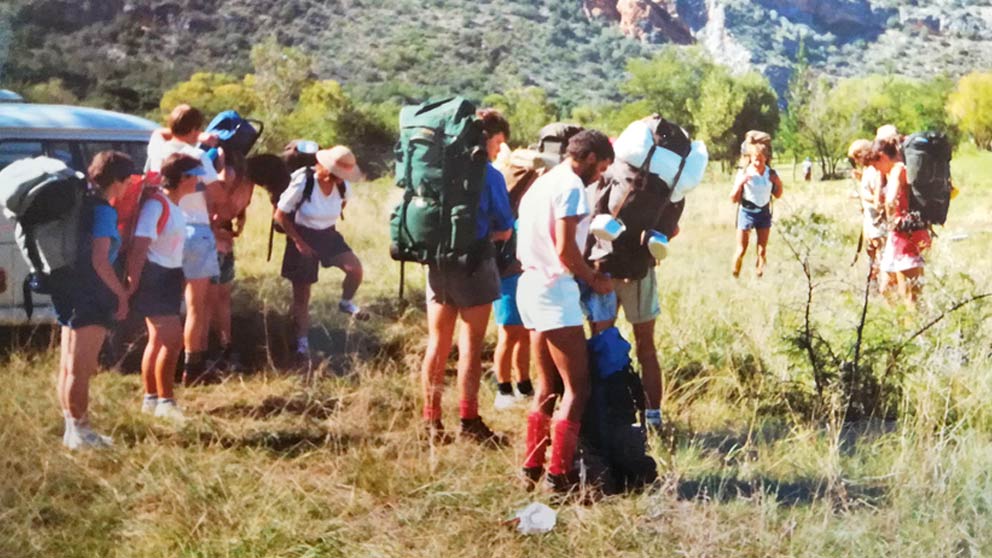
(321,211)
(871,184)
(758,187)
(166,249)
(558,194)
(194,205)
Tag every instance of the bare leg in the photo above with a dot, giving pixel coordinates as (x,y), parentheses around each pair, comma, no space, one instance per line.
(647,355)
(353,273)
(221,322)
(472,330)
(84,350)
(763,235)
(567,347)
(165,334)
(520,344)
(301,308)
(441,320)
(503,358)
(60,379)
(743,238)
(198,314)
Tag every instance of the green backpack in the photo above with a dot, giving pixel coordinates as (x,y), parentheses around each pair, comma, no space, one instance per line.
(441,165)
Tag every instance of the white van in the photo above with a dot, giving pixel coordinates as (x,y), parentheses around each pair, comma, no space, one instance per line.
(74,135)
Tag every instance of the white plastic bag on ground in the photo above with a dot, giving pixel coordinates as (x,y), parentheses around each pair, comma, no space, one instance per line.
(535,519)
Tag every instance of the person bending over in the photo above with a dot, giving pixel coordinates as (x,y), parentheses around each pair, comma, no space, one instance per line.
(308,211)
(552,231)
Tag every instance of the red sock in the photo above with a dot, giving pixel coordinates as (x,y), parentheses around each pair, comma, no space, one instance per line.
(468,409)
(563,446)
(432,412)
(538,436)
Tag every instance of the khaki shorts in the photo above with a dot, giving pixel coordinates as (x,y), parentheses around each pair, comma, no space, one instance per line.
(639,299)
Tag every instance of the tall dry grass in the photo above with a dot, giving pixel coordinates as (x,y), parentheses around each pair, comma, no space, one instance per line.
(275,465)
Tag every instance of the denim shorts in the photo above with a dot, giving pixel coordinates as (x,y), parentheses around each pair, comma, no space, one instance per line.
(160,291)
(200,253)
(748,219)
(505,307)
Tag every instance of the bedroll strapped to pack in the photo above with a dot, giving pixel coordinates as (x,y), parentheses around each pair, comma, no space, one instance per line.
(43,197)
(928,171)
(441,165)
(235,132)
(657,164)
(613,439)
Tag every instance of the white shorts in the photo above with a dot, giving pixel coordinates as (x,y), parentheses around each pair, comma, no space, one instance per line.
(545,307)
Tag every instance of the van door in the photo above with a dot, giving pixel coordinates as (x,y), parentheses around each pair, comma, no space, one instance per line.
(11,301)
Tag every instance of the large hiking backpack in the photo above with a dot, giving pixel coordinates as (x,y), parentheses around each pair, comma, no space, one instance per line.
(235,132)
(613,439)
(129,203)
(928,171)
(633,191)
(441,165)
(43,197)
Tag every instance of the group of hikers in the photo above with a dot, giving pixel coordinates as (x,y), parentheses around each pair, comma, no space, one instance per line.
(552,237)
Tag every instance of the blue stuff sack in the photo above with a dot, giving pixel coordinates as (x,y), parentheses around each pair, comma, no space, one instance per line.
(235,132)
(609,353)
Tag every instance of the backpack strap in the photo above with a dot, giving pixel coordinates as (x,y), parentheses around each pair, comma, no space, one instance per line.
(163,219)
(311,183)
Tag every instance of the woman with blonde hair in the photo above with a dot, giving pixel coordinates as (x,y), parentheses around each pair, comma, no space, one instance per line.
(754,188)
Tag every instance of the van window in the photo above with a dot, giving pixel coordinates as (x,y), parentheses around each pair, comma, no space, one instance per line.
(12,150)
(61,150)
(91,148)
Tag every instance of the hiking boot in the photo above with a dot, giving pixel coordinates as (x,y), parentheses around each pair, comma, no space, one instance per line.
(531,477)
(562,484)
(477,431)
(83,437)
(436,434)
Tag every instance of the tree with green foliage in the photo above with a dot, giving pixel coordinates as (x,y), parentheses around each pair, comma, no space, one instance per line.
(970,105)
(52,92)
(667,82)
(527,110)
(727,106)
(211,93)
(280,75)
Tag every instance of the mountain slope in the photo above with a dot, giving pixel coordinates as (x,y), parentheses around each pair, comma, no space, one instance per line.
(124,53)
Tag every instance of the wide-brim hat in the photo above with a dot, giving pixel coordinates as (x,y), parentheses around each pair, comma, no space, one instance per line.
(341,162)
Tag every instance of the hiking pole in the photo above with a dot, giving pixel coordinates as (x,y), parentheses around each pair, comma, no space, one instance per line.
(402,280)
(272,230)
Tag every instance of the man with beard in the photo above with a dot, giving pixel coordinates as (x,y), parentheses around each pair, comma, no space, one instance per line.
(552,230)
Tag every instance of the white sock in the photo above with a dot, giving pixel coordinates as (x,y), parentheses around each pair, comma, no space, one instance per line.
(151,398)
(303,344)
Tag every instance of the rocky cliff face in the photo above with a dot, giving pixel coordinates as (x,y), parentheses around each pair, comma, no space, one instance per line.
(842,37)
(651,21)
